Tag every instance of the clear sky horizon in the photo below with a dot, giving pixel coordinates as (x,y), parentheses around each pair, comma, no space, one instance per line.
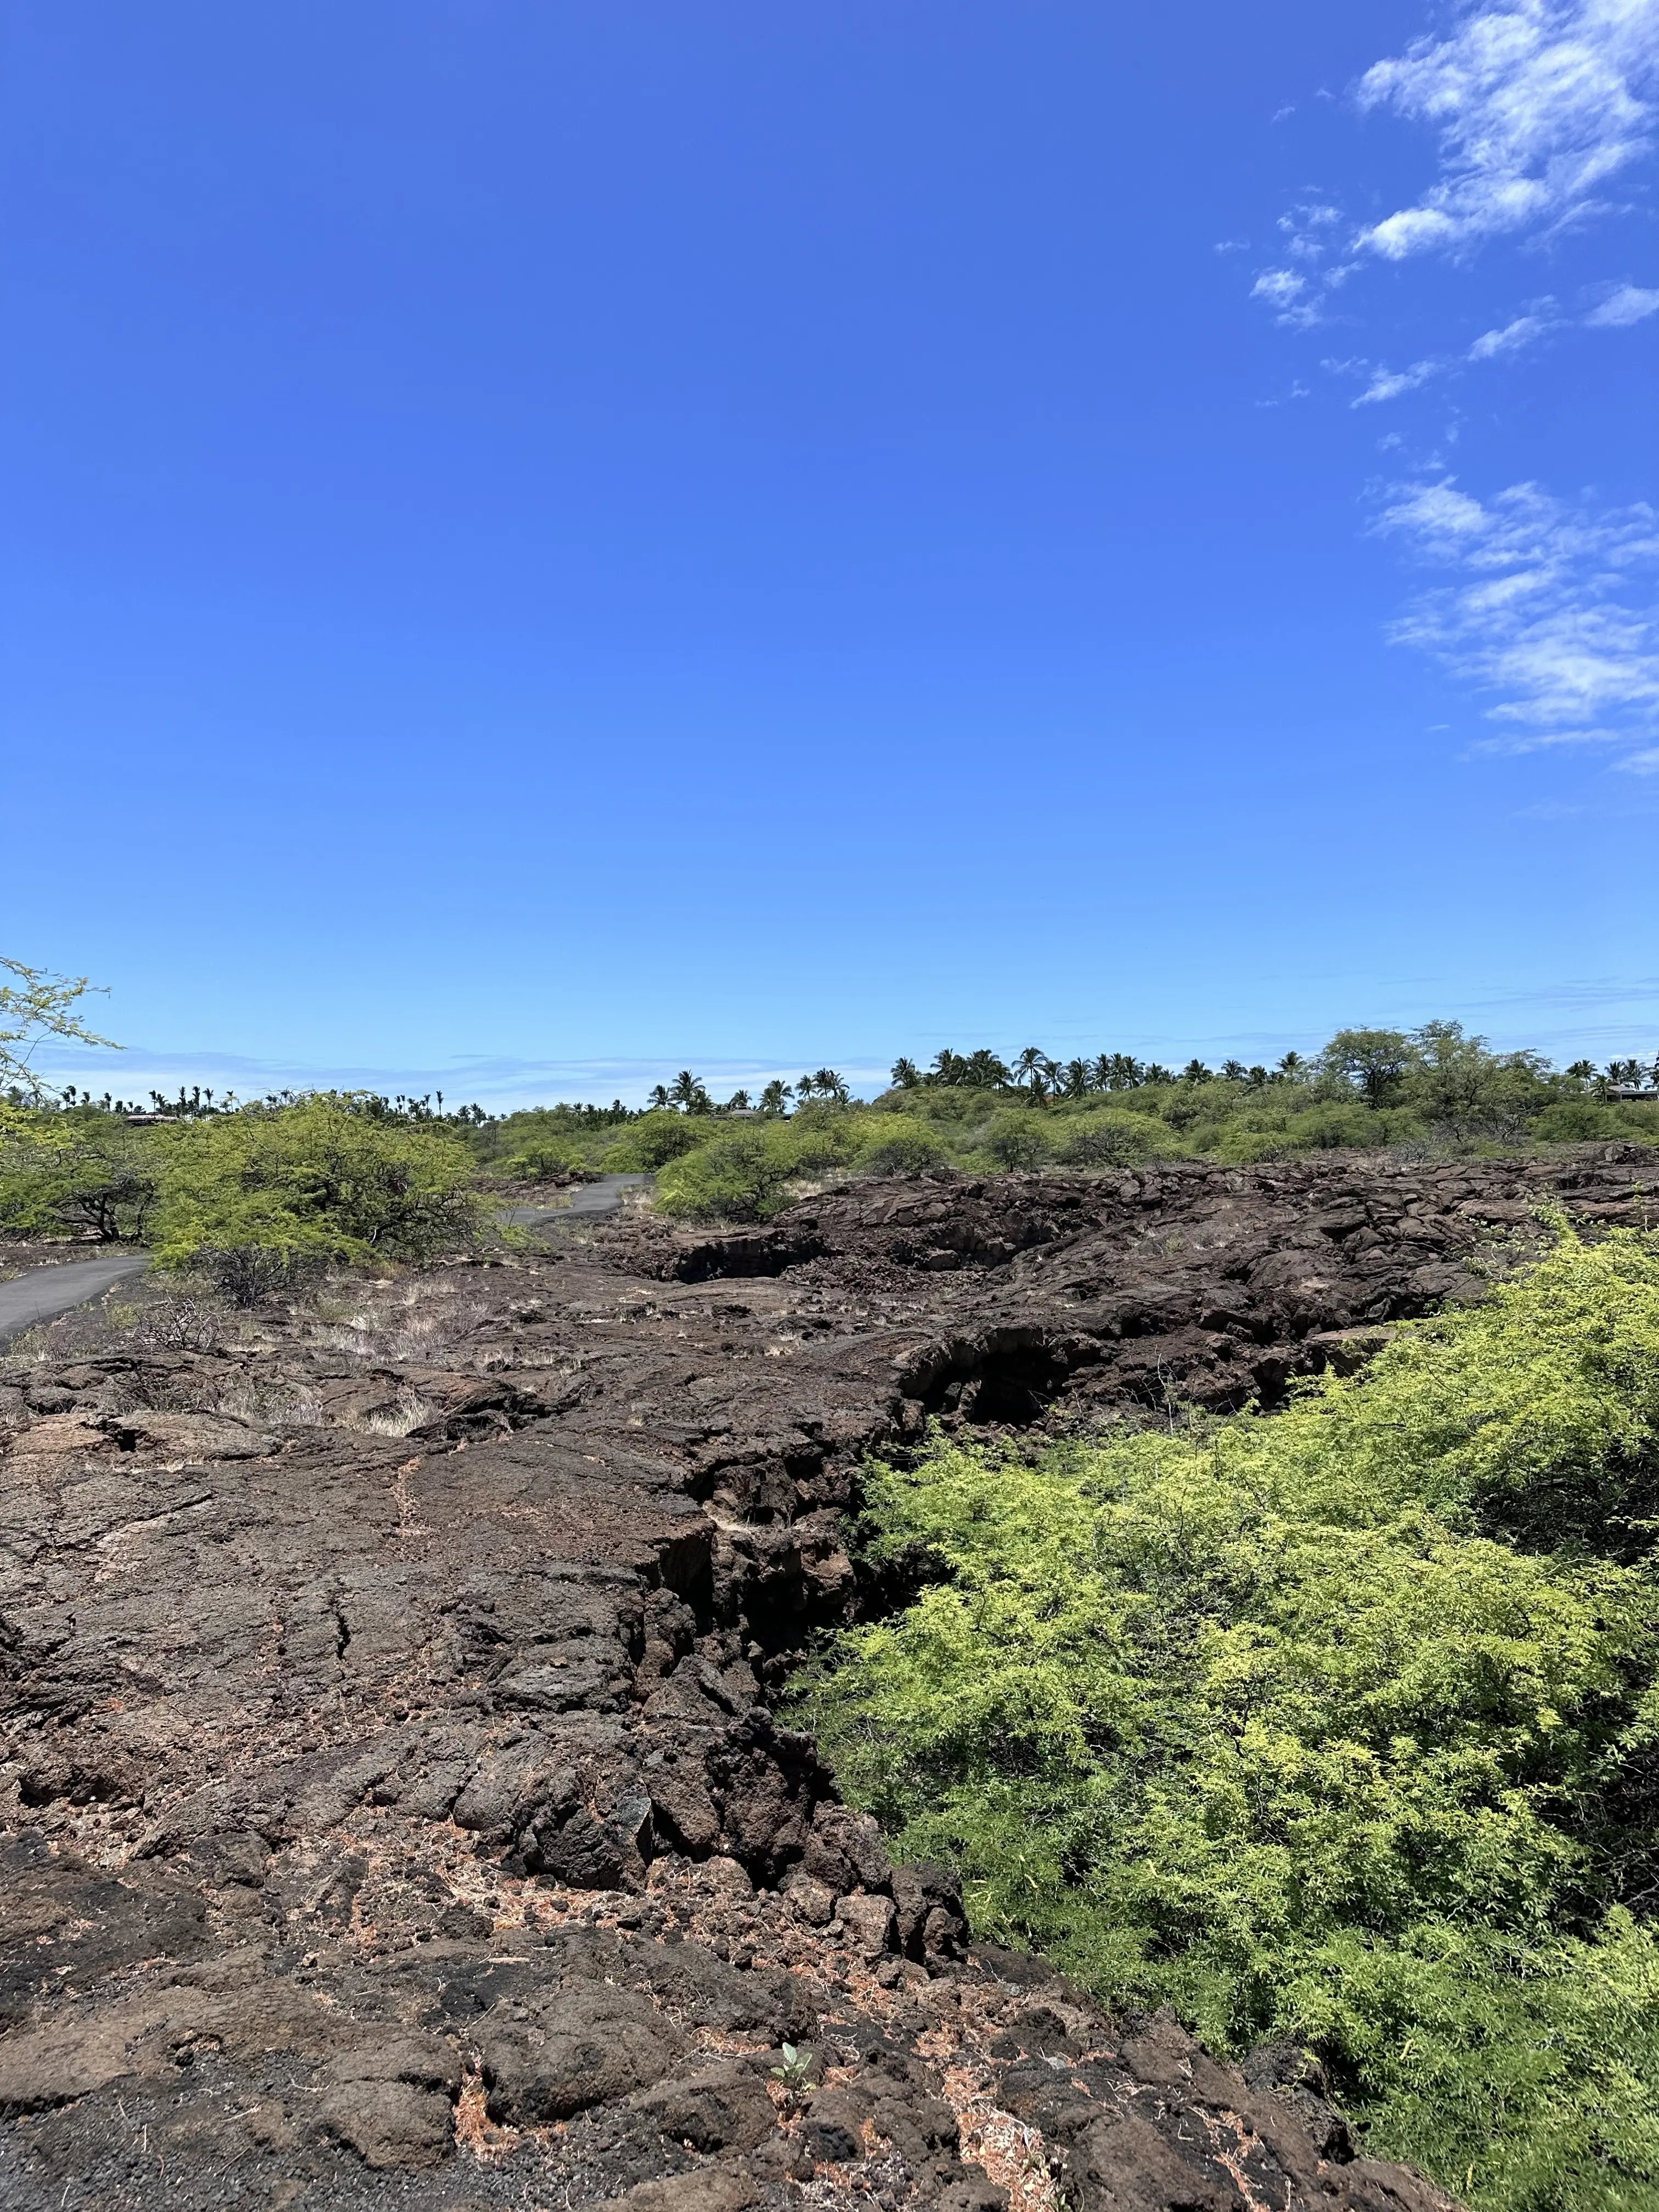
(544,545)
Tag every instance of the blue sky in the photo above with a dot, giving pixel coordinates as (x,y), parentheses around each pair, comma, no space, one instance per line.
(546,543)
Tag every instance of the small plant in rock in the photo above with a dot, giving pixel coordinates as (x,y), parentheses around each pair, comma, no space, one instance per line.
(795,2070)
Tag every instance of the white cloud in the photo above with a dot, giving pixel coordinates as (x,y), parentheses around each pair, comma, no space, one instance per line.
(1389,383)
(1553,608)
(1279,286)
(1642,763)
(1287,293)
(1524,331)
(1629,304)
(1307,228)
(1537,105)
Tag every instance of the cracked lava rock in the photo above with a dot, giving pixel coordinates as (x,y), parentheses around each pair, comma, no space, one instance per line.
(394,1810)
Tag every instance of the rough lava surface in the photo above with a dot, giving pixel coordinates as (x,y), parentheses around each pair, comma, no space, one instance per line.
(394,1811)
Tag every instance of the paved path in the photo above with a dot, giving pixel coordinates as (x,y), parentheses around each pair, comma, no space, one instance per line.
(45,1291)
(589,1201)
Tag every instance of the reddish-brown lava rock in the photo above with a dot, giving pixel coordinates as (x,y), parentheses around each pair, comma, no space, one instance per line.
(392,1800)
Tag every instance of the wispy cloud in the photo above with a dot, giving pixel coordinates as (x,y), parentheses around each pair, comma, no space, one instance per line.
(1553,608)
(1626,305)
(1523,330)
(1629,304)
(1538,105)
(499,1083)
(1389,383)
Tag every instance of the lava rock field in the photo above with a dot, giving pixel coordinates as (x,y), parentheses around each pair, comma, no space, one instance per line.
(394,1809)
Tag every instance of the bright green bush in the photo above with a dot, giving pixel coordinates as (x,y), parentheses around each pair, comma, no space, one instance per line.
(908,1151)
(322,1178)
(744,1172)
(69,1174)
(654,1139)
(539,1163)
(1111,1139)
(1336,1724)
(741,1175)
(1581,1121)
(1015,1141)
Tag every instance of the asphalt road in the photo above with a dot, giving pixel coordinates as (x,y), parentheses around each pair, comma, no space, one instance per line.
(589,1201)
(45,1291)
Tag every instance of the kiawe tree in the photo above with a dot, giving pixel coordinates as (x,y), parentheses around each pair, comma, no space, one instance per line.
(1375,1062)
(35,1006)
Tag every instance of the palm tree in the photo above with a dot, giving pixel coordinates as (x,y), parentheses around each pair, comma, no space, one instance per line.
(906,1074)
(1027,1067)
(986,1071)
(660,1098)
(775,1099)
(829,1084)
(683,1091)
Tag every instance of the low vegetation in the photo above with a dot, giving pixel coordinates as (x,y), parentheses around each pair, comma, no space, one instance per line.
(251,1196)
(1433,1088)
(345,1175)
(1335,1725)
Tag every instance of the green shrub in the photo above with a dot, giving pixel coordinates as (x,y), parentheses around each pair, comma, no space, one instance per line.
(908,1153)
(74,1174)
(321,1178)
(539,1163)
(1334,1725)
(1015,1141)
(739,1177)
(1578,1121)
(654,1139)
(1114,1139)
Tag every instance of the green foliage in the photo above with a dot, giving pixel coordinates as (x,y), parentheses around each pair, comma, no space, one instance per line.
(1336,1724)
(1375,1061)
(316,1178)
(1112,1139)
(654,1139)
(567,1134)
(36,1005)
(74,1173)
(739,1176)
(743,1172)
(911,1151)
(541,1162)
(1017,1140)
